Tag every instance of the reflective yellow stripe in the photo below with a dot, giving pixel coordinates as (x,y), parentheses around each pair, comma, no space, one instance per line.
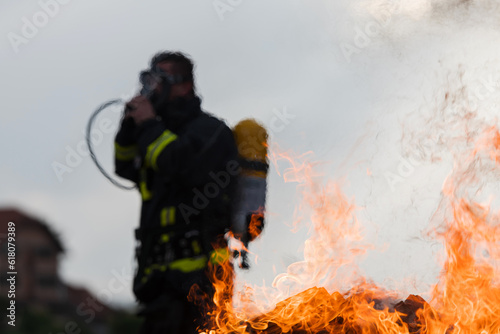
(143,187)
(125,153)
(163,216)
(149,270)
(189,264)
(165,238)
(172,215)
(185,265)
(156,147)
(167,216)
(145,193)
(219,255)
(196,247)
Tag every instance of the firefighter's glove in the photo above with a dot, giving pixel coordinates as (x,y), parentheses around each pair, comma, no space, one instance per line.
(127,133)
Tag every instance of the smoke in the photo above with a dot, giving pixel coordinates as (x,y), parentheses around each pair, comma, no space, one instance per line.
(388,67)
(429,74)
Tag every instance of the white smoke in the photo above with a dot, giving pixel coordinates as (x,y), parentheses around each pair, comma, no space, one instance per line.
(408,59)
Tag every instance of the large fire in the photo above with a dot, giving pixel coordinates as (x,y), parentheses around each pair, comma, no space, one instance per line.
(326,293)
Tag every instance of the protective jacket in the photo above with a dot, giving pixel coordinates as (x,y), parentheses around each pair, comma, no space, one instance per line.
(184,164)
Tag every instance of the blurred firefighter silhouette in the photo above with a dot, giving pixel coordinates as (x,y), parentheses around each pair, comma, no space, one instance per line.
(184,162)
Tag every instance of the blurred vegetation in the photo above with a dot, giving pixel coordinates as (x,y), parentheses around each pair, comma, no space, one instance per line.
(33,321)
(124,322)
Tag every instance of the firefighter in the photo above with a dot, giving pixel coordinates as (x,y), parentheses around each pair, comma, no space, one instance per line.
(183,161)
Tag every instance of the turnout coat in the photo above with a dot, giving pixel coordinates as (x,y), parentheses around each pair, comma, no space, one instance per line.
(184,164)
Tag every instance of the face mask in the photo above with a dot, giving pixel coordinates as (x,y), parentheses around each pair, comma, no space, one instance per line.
(150,79)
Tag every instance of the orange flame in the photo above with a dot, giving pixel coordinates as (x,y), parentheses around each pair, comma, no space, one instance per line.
(308,298)
(256,225)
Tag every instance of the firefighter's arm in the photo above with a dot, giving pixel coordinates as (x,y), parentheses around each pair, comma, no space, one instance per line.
(126,150)
(160,149)
(163,150)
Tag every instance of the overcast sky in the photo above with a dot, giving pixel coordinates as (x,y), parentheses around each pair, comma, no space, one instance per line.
(339,78)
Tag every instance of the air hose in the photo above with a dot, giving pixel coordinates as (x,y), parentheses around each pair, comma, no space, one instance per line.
(91,149)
